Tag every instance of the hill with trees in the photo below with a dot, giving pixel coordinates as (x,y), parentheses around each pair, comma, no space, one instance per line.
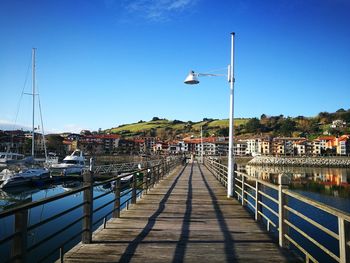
(336,123)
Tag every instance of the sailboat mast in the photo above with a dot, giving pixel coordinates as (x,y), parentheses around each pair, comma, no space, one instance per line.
(33,94)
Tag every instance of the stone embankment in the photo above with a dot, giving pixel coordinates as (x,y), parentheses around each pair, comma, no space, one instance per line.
(301,161)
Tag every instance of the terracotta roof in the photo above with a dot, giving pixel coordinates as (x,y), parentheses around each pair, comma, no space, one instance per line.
(104,136)
(326,138)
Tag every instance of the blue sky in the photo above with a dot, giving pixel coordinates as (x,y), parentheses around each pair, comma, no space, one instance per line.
(105,63)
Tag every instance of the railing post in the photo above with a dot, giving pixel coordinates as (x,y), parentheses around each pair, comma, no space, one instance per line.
(152,181)
(283,182)
(88,204)
(156,175)
(117,190)
(133,192)
(166,166)
(344,238)
(145,180)
(222,173)
(243,202)
(257,200)
(159,176)
(158,172)
(19,243)
(163,168)
(62,254)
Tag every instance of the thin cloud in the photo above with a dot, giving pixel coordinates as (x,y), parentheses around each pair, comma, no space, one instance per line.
(74,128)
(8,125)
(160,10)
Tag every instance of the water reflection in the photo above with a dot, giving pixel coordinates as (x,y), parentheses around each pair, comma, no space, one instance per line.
(16,196)
(332,181)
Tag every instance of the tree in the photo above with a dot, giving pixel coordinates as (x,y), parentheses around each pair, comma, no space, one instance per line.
(346,116)
(224,132)
(287,127)
(55,143)
(303,125)
(177,122)
(155,119)
(253,125)
(206,133)
(161,133)
(324,117)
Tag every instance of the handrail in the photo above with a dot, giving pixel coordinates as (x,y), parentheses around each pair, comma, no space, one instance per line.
(321,206)
(150,175)
(40,202)
(341,254)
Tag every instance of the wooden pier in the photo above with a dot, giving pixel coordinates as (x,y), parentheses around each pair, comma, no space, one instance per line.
(184,218)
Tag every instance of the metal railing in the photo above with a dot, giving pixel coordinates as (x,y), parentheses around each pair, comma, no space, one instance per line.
(124,167)
(86,212)
(316,230)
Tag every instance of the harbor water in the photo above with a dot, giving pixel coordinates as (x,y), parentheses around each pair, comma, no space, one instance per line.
(15,197)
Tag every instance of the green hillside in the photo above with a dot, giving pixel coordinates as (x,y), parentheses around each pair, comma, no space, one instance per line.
(279,125)
(171,129)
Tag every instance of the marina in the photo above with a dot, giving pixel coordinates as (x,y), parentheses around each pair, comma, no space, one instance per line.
(106,207)
(143,131)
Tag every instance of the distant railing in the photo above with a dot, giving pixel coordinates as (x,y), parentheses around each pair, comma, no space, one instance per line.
(318,231)
(124,167)
(139,183)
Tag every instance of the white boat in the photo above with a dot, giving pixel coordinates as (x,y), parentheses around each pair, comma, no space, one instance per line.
(125,180)
(72,164)
(8,158)
(27,176)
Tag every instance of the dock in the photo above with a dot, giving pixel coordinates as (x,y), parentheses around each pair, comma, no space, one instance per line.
(186,217)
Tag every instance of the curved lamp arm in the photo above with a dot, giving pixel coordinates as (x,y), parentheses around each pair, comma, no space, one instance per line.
(192,77)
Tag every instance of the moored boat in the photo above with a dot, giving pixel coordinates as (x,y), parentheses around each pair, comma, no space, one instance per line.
(72,164)
(8,158)
(25,177)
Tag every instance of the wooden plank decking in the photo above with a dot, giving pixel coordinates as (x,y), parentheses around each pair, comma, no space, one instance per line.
(185,218)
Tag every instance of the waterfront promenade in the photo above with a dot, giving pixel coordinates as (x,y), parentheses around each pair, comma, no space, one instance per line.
(185,218)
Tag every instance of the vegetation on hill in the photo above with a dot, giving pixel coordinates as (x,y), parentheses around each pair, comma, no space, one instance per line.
(172,129)
(280,125)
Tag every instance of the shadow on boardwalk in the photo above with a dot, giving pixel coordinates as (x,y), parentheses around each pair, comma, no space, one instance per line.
(185,218)
(130,250)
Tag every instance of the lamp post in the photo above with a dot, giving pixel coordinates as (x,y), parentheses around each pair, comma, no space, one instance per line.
(192,78)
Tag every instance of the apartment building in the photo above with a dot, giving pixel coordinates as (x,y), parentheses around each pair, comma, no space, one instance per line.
(240,148)
(253,146)
(284,145)
(265,146)
(343,145)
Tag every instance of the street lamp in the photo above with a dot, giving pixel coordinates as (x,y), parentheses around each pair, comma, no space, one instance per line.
(192,78)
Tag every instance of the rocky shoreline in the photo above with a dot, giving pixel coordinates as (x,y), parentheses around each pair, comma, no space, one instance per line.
(340,162)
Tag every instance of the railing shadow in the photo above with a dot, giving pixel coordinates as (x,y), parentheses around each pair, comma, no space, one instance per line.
(130,250)
(228,239)
(185,230)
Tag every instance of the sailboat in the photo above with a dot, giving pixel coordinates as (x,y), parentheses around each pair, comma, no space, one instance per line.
(30,175)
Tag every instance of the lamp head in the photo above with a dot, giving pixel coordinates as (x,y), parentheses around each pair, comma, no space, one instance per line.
(191,78)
